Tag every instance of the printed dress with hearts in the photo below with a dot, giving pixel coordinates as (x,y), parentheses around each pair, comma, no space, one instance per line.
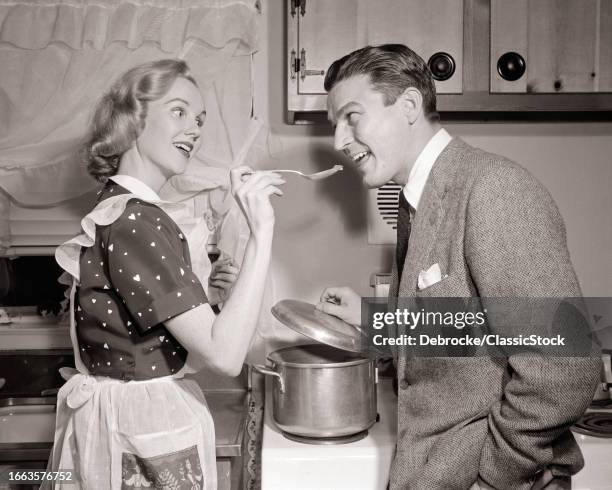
(127,418)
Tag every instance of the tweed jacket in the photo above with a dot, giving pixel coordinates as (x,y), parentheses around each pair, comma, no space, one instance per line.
(495,232)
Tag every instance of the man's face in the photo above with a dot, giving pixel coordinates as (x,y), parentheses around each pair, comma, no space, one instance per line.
(375,136)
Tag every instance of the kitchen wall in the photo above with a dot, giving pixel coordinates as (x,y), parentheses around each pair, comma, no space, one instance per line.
(321,234)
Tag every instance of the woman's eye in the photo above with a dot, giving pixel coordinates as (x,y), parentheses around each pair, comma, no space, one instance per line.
(352,117)
(178,111)
(199,122)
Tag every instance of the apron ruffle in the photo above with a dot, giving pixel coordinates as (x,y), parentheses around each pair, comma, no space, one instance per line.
(106,212)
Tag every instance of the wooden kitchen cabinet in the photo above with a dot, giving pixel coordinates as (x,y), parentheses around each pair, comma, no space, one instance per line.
(324,33)
(321,31)
(566,46)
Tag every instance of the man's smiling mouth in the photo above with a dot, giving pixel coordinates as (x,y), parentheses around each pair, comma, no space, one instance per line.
(359,157)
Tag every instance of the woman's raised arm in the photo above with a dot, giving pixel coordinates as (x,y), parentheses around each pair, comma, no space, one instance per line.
(221,342)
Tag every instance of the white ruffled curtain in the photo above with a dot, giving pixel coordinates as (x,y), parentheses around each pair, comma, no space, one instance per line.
(58,57)
(56,60)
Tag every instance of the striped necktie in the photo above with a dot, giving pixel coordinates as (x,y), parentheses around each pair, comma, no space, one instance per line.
(403,232)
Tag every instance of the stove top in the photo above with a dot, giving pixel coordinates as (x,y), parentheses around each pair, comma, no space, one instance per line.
(595,423)
(603,403)
(326,440)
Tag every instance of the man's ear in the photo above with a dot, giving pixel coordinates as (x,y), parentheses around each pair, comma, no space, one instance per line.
(411,102)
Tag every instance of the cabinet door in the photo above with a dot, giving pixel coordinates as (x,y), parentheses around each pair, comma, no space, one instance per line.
(604,70)
(330,29)
(563,44)
(434,26)
(326,31)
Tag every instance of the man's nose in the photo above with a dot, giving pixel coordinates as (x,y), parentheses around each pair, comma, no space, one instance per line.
(342,137)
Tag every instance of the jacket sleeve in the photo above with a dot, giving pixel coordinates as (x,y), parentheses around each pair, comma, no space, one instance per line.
(516,248)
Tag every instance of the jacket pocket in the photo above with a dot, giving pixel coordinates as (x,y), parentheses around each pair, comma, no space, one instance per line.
(434,286)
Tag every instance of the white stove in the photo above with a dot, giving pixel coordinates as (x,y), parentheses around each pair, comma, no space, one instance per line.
(597,452)
(365,464)
(593,432)
(362,464)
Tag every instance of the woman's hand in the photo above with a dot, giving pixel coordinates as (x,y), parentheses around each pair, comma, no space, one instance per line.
(252,191)
(222,277)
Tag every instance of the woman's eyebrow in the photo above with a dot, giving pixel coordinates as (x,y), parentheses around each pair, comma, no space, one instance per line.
(177,99)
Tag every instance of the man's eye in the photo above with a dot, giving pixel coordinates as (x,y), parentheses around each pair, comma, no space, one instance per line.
(352,117)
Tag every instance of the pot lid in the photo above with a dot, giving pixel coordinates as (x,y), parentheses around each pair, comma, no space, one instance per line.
(304,318)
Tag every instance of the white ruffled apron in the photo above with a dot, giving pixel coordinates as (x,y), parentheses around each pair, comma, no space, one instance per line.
(116,434)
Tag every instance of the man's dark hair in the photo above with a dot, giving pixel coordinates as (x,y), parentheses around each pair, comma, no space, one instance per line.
(392,68)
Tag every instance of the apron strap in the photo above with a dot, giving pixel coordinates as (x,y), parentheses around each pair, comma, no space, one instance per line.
(80,365)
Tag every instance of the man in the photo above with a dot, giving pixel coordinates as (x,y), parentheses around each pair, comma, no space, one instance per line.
(493,231)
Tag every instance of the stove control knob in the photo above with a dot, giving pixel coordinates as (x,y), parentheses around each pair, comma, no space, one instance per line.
(511,66)
(442,66)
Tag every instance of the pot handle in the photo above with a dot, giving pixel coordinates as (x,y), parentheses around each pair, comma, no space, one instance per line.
(270,372)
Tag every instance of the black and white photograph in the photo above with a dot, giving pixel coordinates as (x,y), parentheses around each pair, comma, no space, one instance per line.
(306,244)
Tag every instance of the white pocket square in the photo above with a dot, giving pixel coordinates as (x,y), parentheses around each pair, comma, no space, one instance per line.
(429,277)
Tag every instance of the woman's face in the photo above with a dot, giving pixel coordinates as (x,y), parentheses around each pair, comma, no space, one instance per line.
(173,128)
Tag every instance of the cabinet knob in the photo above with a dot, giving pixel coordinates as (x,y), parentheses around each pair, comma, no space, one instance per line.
(442,66)
(511,66)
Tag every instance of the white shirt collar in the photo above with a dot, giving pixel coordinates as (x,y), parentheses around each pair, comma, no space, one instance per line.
(423,165)
(136,187)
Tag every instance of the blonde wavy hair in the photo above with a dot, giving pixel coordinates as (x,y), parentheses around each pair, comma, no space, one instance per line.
(119,116)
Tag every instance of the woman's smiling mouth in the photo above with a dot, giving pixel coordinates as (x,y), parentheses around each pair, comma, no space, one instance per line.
(184,147)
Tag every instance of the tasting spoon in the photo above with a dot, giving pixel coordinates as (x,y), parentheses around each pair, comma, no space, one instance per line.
(316,176)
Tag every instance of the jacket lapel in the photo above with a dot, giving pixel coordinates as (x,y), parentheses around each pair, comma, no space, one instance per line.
(422,238)
(427,221)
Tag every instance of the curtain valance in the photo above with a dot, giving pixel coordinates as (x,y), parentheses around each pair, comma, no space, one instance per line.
(58,57)
(98,24)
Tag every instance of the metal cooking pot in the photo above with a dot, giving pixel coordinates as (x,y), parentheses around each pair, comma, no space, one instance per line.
(322,392)
(326,390)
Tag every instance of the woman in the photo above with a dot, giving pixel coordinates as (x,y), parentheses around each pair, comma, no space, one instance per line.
(128,418)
